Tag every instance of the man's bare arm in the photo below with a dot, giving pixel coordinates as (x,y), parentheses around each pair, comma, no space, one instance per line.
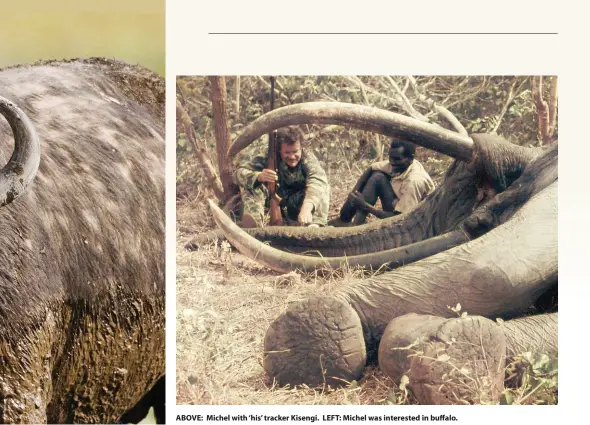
(358,201)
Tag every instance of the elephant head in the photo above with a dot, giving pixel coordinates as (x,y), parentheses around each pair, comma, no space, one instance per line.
(486,238)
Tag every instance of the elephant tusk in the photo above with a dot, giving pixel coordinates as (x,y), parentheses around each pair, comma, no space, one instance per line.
(283,262)
(361,117)
(24,162)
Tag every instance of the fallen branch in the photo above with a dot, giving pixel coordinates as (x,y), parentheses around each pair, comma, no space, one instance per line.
(362,85)
(406,104)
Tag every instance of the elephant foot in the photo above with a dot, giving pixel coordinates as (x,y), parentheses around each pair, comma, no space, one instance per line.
(447,361)
(316,342)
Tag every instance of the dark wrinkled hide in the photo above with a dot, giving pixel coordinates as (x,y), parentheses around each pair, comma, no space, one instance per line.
(82,251)
(500,273)
(462,360)
(447,361)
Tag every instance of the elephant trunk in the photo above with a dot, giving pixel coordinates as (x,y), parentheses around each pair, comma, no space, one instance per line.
(537,176)
(439,213)
(284,262)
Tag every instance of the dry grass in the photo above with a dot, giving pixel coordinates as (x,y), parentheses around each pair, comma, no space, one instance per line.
(224,305)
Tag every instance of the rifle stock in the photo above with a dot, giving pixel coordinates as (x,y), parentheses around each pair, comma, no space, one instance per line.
(276,218)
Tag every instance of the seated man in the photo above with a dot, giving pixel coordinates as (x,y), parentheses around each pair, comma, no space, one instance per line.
(400,182)
(302,184)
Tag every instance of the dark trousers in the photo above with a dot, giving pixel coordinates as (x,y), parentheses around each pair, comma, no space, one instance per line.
(378,186)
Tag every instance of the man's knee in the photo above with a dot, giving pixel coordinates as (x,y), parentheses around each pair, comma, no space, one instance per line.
(378,178)
(253,202)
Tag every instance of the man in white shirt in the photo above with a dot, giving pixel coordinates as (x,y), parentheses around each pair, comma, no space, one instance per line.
(400,182)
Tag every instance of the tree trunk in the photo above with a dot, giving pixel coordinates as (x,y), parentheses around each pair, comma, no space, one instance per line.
(553,107)
(219,102)
(199,149)
(542,111)
(237,97)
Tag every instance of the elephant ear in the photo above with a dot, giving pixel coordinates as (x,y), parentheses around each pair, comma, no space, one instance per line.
(24,162)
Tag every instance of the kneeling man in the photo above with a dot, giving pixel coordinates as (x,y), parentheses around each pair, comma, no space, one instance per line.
(302,184)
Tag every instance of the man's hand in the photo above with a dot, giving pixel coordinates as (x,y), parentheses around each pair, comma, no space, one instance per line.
(357,200)
(305,216)
(267,176)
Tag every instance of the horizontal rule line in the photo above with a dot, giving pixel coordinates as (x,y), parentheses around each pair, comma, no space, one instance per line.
(383,33)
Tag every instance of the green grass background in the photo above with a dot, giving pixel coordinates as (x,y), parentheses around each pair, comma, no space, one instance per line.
(129,30)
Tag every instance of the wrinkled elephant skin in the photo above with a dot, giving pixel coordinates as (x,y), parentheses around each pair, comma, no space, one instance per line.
(486,276)
(461,360)
(447,361)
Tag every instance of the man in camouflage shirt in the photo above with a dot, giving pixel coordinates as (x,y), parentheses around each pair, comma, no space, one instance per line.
(302,184)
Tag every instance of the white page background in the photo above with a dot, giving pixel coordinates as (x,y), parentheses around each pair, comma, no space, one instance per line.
(191,50)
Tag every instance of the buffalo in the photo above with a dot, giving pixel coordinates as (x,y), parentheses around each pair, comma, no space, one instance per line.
(82,326)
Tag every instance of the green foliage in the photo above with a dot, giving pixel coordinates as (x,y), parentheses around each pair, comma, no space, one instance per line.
(538,380)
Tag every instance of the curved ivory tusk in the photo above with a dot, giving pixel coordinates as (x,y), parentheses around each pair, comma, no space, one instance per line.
(24,162)
(283,262)
(362,117)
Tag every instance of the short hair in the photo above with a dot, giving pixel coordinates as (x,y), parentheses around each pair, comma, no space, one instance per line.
(409,148)
(288,136)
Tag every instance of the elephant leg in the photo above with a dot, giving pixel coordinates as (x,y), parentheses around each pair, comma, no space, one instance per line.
(502,272)
(536,335)
(463,360)
(447,361)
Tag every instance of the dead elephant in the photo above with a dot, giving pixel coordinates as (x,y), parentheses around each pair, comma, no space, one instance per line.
(81,241)
(486,238)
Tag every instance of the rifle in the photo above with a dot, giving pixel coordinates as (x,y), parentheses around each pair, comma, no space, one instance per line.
(272,162)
